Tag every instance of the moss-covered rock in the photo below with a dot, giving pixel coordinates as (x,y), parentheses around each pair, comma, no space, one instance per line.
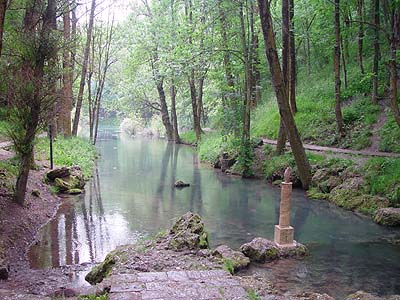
(260,250)
(388,216)
(237,260)
(75,191)
(188,233)
(101,271)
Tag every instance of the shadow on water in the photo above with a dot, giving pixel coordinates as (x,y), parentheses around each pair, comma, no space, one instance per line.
(132,195)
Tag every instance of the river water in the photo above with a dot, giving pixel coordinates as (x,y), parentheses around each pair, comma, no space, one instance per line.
(131,195)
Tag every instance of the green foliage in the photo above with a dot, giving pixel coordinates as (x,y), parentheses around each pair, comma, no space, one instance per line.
(228,266)
(276,163)
(245,159)
(252,295)
(70,152)
(189,137)
(390,136)
(383,178)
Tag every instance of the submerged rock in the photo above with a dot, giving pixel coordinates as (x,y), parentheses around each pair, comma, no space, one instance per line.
(236,259)
(389,216)
(188,233)
(181,184)
(260,250)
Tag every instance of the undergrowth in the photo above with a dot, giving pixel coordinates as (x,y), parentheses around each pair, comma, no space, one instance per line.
(70,152)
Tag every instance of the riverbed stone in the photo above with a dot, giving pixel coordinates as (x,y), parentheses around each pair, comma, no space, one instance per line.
(188,233)
(260,250)
(181,184)
(236,259)
(297,250)
(389,216)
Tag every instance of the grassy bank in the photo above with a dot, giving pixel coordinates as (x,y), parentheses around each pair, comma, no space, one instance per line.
(69,152)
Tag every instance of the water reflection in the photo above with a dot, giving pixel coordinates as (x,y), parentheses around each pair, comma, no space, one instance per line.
(132,195)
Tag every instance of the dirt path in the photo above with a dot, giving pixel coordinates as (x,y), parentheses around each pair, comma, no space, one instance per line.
(339,150)
(375,138)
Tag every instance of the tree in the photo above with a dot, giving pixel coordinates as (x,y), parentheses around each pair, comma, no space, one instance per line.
(299,154)
(32,101)
(338,109)
(375,81)
(394,45)
(360,35)
(84,70)
(3,9)
(292,59)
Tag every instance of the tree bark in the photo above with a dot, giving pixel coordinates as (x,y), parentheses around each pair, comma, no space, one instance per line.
(164,111)
(299,154)
(292,59)
(3,9)
(66,105)
(360,35)
(338,109)
(394,43)
(174,116)
(84,70)
(375,82)
(282,136)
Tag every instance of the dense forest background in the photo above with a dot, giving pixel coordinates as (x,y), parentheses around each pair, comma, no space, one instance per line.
(212,72)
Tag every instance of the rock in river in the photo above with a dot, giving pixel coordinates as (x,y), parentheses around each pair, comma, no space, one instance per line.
(235,258)
(181,184)
(389,216)
(260,250)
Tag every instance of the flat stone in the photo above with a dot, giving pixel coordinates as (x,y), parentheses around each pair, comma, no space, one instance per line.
(125,296)
(127,287)
(177,276)
(152,276)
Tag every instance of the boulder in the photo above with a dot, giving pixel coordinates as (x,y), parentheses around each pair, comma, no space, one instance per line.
(389,216)
(101,271)
(188,233)
(329,184)
(260,250)
(297,250)
(236,259)
(226,162)
(58,173)
(181,184)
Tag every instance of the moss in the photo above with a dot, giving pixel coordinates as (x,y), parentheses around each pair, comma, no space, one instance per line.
(98,273)
(228,266)
(314,193)
(252,295)
(94,297)
(203,243)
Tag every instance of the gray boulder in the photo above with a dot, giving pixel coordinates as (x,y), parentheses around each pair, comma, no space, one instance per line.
(388,216)
(236,259)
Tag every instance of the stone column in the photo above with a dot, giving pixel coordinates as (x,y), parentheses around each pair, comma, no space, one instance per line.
(284,233)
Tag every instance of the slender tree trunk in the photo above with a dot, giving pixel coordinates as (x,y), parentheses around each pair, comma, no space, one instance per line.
(74,23)
(84,70)
(282,136)
(360,35)
(195,110)
(292,59)
(375,82)
(302,162)
(3,9)
(256,72)
(66,105)
(164,111)
(338,109)
(248,80)
(36,69)
(174,117)
(344,69)
(394,44)
(200,105)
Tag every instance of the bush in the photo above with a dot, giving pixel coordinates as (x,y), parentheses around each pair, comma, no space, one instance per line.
(390,136)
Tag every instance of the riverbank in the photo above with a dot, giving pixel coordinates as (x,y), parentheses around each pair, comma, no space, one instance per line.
(357,183)
(20,224)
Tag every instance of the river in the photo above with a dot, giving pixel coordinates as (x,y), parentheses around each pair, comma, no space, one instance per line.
(131,196)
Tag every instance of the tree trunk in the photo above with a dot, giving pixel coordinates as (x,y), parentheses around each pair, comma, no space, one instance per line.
(256,72)
(292,59)
(344,69)
(3,9)
(66,105)
(338,110)
(84,70)
(282,136)
(360,35)
(394,43)
(193,96)
(299,154)
(174,117)
(375,82)
(164,111)
(248,79)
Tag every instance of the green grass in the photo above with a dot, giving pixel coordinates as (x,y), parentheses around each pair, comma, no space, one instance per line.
(188,137)
(94,297)
(383,178)
(70,152)
(390,136)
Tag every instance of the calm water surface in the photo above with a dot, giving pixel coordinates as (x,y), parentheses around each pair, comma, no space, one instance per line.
(132,195)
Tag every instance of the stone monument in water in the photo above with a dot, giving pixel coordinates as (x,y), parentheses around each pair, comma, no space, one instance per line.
(284,233)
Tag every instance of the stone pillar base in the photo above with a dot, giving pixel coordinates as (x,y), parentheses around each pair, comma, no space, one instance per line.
(284,235)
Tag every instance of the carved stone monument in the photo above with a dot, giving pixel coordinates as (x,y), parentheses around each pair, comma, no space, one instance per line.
(284,233)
